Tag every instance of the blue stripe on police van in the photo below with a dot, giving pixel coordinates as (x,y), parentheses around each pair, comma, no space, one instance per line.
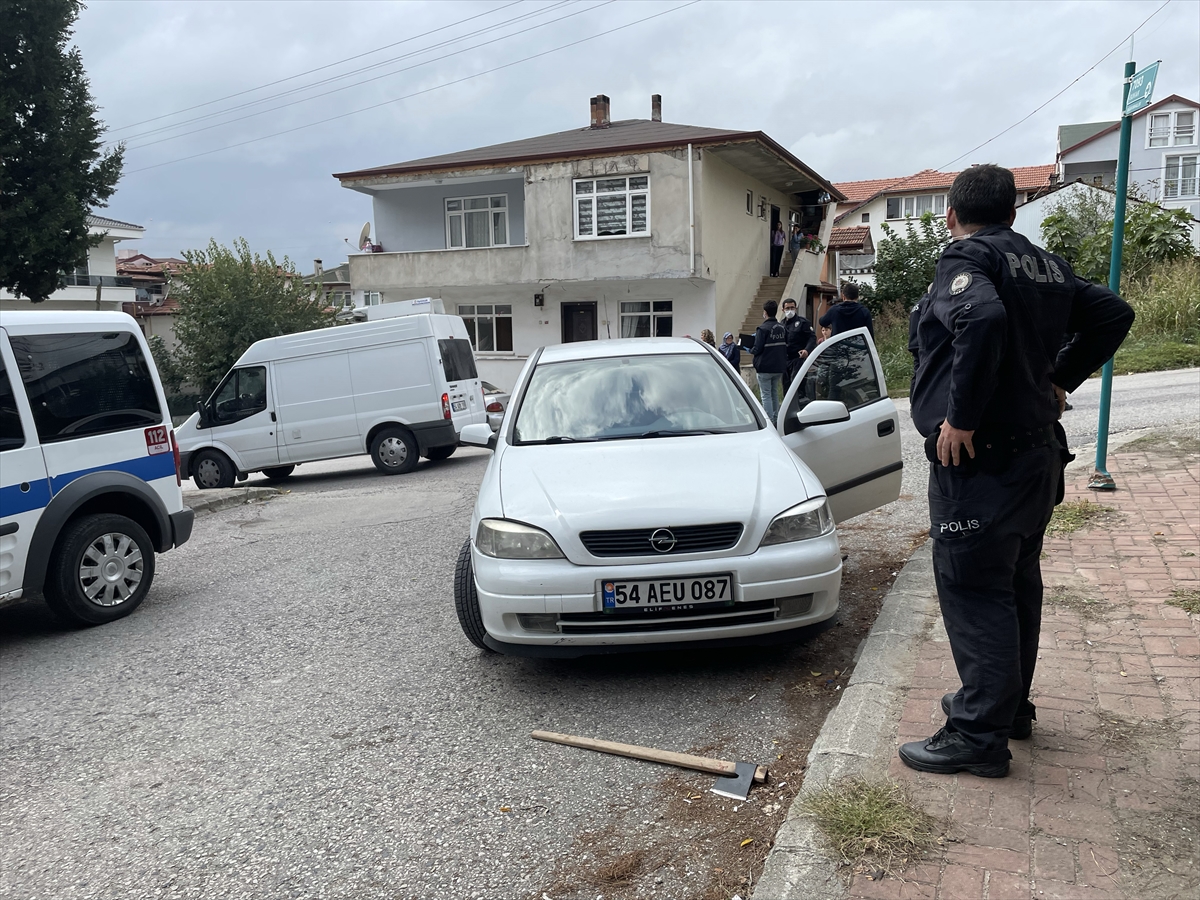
(147,468)
(14,501)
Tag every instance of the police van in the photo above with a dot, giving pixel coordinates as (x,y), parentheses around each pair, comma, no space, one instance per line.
(89,468)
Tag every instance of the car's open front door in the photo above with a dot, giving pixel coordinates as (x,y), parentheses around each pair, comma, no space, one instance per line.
(857,457)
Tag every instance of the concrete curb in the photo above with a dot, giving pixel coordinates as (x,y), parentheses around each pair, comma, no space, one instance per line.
(204,502)
(858,738)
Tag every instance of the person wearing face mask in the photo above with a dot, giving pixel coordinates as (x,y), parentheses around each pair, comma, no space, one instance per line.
(801,340)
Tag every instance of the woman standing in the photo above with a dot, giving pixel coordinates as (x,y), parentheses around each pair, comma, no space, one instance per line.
(778,241)
(731,350)
(794,242)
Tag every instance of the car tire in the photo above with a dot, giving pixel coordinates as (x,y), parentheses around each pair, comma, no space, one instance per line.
(466,600)
(101,569)
(213,469)
(436,453)
(278,473)
(394,451)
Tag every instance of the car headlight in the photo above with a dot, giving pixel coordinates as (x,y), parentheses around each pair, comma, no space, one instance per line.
(503,539)
(809,519)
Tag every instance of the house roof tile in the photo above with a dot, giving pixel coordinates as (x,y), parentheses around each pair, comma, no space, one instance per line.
(95,221)
(1027,178)
(849,238)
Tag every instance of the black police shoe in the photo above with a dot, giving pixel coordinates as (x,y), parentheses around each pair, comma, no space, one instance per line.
(947,753)
(1022,726)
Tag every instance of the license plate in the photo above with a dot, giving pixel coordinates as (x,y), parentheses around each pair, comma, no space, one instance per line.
(673,593)
(458,405)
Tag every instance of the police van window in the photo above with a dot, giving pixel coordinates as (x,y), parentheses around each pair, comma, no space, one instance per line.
(843,371)
(457,359)
(243,393)
(12,435)
(83,384)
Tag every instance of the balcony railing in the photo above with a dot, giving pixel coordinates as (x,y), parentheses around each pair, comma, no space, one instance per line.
(95,280)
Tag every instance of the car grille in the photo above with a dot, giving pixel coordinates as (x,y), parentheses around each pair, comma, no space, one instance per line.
(688,539)
(664,620)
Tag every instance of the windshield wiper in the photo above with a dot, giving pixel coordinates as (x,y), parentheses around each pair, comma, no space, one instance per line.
(564,439)
(664,432)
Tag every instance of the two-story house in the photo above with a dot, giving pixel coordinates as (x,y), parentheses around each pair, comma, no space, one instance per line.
(1162,153)
(626,228)
(876,201)
(94,283)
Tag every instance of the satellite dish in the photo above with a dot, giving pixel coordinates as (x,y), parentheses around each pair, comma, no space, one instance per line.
(364,234)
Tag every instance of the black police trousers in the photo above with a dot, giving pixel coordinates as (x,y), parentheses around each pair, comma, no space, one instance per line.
(987,532)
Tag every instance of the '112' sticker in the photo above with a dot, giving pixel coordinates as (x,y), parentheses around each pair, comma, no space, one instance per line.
(158,440)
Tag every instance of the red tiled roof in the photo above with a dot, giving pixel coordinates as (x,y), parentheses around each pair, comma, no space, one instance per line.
(849,238)
(1027,178)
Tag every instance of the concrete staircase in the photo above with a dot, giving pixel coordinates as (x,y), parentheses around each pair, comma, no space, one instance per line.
(769,289)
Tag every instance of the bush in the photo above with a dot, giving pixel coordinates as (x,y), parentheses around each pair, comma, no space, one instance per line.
(905,264)
(891,340)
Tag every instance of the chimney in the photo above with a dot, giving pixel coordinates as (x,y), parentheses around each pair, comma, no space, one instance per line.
(656,107)
(317,270)
(600,111)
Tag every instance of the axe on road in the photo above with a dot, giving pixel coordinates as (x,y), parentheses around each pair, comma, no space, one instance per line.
(739,776)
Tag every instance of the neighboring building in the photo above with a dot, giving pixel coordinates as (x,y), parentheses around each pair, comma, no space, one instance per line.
(94,283)
(338,290)
(877,201)
(153,306)
(1162,153)
(853,252)
(625,228)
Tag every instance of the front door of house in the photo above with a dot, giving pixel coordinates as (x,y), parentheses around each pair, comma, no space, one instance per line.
(578,322)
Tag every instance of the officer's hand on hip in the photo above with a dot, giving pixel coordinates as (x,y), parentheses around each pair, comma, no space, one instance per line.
(951,440)
(1061,397)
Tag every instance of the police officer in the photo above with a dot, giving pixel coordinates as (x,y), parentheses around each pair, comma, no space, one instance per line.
(770,358)
(800,338)
(987,395)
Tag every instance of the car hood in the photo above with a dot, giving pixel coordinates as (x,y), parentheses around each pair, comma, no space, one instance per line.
(189,436)
(747,477)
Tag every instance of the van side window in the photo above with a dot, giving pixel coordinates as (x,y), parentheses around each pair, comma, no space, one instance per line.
(12,435)
(242,394)
(458,360)
(88,383)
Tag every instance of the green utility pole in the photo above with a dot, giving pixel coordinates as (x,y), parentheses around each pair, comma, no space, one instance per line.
(1131,101)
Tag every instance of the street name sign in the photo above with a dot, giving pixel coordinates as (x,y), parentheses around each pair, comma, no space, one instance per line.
(1141,86)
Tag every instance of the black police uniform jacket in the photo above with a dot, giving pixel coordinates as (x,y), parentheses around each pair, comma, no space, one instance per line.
(799,335)
(991,329)
(770,348)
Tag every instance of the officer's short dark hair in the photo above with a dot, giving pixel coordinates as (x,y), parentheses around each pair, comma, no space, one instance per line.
(770,308)
(850,291)
(791,300)
(983,195)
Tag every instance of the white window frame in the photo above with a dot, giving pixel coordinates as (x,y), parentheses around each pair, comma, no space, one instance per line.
(578,198)
(908,205)
(1182,187)
(750,203)
(492,210)
(1169,134)
(469,312)
(372,298)
(659,309)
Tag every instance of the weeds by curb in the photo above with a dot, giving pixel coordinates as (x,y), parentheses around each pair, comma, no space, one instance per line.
(1075,515)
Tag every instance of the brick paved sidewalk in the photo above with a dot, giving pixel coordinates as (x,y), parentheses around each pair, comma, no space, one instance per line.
(1104,801)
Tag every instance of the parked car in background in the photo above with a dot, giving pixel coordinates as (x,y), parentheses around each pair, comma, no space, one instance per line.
(497,403)
(639,497)
(89,468)
(398,388)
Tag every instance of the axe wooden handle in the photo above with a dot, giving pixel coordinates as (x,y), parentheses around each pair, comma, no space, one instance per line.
(670,758)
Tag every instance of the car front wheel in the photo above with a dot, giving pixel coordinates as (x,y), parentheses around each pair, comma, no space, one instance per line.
(213,469)
(278,473)
(394,451)
(466,600)
(101,569)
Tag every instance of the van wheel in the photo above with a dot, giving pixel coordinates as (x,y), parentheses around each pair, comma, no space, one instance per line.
(466,600)
(441,452)
(212,469)
(278,473)
(101,569)
(394,451)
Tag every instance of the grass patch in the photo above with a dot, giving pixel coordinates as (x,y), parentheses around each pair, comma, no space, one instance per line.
(1074,515)
(1121,735)
(1088,609)
(873,823)
(891,340)
(1187,599)
(1154,355)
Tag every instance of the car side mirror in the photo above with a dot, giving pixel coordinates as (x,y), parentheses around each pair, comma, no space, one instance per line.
(201,415)
(478,435)
(823,412)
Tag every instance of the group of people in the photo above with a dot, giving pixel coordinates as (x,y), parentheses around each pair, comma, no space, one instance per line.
(779,240)
(780,347)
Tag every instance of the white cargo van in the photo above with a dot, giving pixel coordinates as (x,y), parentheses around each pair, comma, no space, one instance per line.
(398,389)
(89,470)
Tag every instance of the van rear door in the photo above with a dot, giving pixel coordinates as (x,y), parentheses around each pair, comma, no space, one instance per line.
(464,389)
(24,489)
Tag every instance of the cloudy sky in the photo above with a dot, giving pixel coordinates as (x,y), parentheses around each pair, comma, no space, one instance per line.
(224,140)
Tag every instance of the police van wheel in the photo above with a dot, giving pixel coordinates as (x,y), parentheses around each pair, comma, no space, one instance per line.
(213,469)
(466,600)
(441,452)
(394,451)
(101,570)
(278,473)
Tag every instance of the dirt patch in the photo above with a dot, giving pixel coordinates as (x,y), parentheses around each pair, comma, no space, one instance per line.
(1075,515)
(1066,597)
(1157,848)
(706,847)
(1118,734)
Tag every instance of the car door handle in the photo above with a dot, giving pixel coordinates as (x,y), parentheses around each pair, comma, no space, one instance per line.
(9,528)
(887,427)
(273,415)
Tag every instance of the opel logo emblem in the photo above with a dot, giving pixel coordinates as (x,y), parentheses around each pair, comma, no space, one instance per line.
(662,540)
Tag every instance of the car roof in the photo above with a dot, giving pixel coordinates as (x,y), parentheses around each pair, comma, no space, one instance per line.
(620,347)
(27,317)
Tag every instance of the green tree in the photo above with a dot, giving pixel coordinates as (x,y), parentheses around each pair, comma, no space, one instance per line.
(1079,228)
(905,263)
(52,171)
(228,299)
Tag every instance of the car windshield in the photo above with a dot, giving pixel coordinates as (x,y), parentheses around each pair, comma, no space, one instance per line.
(631,397)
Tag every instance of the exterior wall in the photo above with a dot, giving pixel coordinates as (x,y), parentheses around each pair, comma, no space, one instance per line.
(414,218)
(102,260)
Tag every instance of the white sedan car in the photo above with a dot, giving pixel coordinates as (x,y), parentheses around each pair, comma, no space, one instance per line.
(639,498)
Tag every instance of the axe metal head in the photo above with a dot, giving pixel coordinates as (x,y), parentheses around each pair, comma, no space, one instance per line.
(736,787)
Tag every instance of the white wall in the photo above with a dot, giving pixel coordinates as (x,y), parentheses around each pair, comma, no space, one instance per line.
(414,218)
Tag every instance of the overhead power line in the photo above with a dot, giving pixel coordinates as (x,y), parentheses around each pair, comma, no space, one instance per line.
(428,90)
(1060,93)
